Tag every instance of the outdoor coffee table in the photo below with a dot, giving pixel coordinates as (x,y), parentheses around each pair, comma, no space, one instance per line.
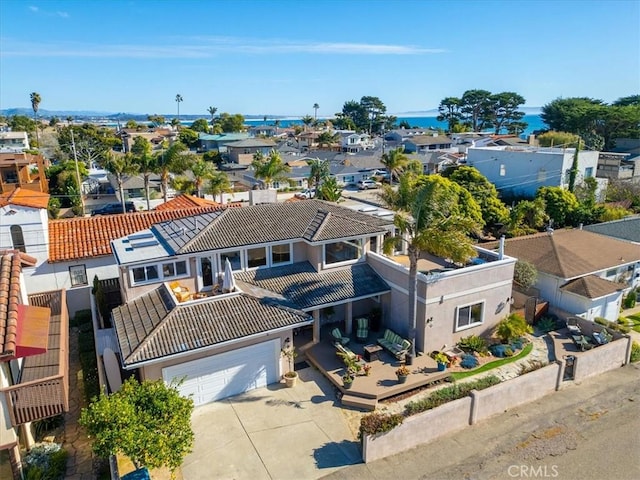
(371,352)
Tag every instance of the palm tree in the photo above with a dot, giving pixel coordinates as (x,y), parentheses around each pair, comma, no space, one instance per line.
(330,190)
(172,160)
(219,184)
(145,161)
(270,168)
(201,171)
(320,171)
(315,108)
(35,104)
(327,138)
(212,111)
(432,214)
(178,100)
(395,161)
(69,120)
(307,120)
(121,166)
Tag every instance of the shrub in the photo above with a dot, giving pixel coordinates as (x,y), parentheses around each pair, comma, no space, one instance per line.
(512,327)
(498,350)
(517,343)
(546,324)
(46,425)
(635,352)
(531,366)
(469,361)
(525,274)
(448,394)
(46,461)
(473,343)
(612,325)
(374,423)
(54,207)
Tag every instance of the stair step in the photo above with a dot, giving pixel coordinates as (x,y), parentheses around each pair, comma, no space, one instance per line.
(360,402)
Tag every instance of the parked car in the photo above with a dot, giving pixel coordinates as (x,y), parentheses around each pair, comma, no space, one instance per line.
(306,193)
(112,208)
(367,184)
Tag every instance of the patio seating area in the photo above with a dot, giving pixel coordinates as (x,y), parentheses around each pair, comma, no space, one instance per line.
(382,381)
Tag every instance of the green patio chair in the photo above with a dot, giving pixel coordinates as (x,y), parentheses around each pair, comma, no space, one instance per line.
(337,336)
(362,333)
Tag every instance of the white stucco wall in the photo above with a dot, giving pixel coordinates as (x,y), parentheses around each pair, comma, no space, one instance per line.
(35,229)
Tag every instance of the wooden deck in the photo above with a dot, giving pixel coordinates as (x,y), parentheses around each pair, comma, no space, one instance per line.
(382,382)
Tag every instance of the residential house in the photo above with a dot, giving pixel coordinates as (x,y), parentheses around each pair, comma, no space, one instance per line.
(242,151)
(352,142)
(624,229)
(12,142)
(23,170)
(219,142)
(267,131)
(34,352)
(290,262)
(580,272)
(399,135)
(308,140)
(423,143)
(520,171)
(617,166)
(155,136)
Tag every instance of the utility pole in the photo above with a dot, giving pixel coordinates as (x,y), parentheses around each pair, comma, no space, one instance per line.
(75,159)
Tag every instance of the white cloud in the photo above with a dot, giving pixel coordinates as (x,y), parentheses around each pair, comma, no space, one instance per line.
(37,10)
(204,47)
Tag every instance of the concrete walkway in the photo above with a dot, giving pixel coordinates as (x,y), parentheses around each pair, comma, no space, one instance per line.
(273,433)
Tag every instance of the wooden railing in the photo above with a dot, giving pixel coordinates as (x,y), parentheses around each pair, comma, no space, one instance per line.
(36,400)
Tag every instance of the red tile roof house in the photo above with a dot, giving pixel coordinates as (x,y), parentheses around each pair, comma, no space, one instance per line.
(34,382)
(290,261)
(580,272)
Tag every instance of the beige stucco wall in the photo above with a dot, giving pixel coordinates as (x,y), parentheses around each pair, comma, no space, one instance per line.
(601,359)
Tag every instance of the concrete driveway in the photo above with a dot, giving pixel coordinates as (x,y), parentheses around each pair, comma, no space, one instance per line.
(272,433)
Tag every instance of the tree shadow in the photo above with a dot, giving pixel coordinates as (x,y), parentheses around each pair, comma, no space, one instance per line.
(337,454)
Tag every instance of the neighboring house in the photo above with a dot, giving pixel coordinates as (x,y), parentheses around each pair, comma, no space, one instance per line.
(290,261)
(625,229)
(580,272)
(264,131)
(352,142)
(399,135)
(308,140)
(242,151)
(155,136)
(423,143)
(34,355)
(520,171)
(617,166)
(219,142)
(14,142)
(23,170)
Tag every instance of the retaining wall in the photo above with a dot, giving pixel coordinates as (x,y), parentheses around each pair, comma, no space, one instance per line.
(602,359)
(418,429)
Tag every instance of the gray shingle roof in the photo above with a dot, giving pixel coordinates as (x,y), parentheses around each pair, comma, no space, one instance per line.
(591,287)
(267,223)
(306,288)
(152,326)
(625,229)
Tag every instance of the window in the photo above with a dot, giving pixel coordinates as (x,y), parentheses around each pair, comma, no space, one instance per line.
(234,259)
(145,274)
(373,244)
(280,253)
(503,170)
(174,269)
(588,172)
(78,275)
(469,316)
(17,238)
(343,251)
(612,273)
(256,257)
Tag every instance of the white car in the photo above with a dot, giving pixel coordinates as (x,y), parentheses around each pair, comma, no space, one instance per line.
(306,193)
(367,184)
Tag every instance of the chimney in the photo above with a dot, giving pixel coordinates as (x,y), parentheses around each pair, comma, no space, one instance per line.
(501,248)
(580,226)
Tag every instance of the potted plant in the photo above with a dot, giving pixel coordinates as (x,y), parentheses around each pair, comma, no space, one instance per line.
(442,360)
(291,376)
(367,369)
(402,373)
(347,380)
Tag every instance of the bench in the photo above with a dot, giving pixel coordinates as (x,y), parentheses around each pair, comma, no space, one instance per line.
(395,344)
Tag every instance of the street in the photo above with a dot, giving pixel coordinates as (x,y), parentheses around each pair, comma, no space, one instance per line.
(589,431)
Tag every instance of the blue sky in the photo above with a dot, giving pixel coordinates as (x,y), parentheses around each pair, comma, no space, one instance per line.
(280,57)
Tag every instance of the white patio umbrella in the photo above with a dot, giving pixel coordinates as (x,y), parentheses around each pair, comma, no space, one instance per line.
(228,282)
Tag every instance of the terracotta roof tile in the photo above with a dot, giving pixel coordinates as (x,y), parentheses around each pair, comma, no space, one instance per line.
(25,198)
(186,201)
(11,262)
(86,237)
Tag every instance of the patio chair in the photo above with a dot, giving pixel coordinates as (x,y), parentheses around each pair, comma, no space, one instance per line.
(573,326)
(362,333)
(338,337)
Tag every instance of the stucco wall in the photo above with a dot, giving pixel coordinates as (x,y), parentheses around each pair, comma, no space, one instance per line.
(34,225)
(601,359)
(510,394)
(418,429)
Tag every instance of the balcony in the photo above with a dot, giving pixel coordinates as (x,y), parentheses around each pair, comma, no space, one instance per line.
(42,389)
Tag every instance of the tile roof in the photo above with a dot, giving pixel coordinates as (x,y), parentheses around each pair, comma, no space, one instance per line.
(11,262)
(625,229)
(591,286)
(570,253)
(86,237)
(266,223)
(153,327)
(306,288)
(25,198)
(188,201)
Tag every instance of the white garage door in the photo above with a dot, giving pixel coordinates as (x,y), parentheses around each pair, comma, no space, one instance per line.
(226,374)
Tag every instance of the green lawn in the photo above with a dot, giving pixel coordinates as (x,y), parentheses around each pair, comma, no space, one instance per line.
(491,365)
(636,321)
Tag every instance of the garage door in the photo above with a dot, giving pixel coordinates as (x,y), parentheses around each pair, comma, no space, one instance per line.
(226,374)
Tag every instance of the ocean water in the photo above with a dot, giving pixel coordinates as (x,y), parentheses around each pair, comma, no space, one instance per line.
(534,122)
